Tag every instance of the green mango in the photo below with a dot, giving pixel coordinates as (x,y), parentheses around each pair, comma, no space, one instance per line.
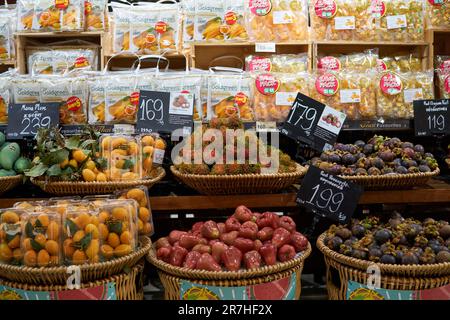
(9,155)
(2,138)
(7,173)
(22,164)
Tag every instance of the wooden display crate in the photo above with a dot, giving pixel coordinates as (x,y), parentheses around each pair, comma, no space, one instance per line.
(7,64)
(204,53)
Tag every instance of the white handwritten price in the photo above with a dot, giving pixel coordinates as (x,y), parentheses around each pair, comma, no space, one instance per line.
(328,200)
(33,124)
(436,122)
(152,110)
(307,114)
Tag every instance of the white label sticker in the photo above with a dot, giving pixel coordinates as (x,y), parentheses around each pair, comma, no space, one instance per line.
(282,17)
(412,94)
(187,131)
(344,23)
(350,95)
(265,47)
(285,98)
(396,22)
(124,129)
(158,156)
(266,126)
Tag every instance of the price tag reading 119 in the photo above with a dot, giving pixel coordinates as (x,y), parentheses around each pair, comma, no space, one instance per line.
(436,122)
(431,117)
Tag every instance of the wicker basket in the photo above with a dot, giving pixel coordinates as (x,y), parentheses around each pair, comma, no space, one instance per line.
(128,286)
(62,188)
(89,272)
(341,269)
(394,181)
(171,276)
(7,183)
(240,184)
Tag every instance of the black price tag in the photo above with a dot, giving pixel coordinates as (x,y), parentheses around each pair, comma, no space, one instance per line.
(431,117)
(24,119)
(328,195)
(313,123)
(165,112)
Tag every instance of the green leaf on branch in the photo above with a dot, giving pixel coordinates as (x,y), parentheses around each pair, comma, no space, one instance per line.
(54,170)
(37,171)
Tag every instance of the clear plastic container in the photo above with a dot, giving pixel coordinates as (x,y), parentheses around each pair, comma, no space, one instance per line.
(41,238)
(123,157)
(31,206)
(153,148)
(145,225)
(274,94)
(277,20)
(438,13)
(10,236)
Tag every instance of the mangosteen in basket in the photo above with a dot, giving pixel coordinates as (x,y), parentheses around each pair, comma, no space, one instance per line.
(413,230)
(377,163)
(419,148)
(398,256)
(387,170)
(348,172)
(408,152)
(339,146)
(443,256)
(334,158)
(348,159)
(386,155)
(364,163)
(410,258)
(359,155)
(359,254)
(382,235)
(352,149)
(358,231)
(346,249)
(429,155)
(359,144)
(334,243)
(444,231)
(413,170)
(397,162)
(401,170)
(427,257)
(375,253)
(361,172)
(336,169)
(424,168)
(368,149)
(343,233)
(324,156)
(388,259)
(374,171)
(407,145)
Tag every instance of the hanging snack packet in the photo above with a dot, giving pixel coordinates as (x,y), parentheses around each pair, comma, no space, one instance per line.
(5,98)
(47,17)
(95,15)
(96,99)
(208,20)
(72,14)
(189,20)
(233,26)
(25,89)
(6,35)
(121,106)
(121,28)
(25,14)
(438,13)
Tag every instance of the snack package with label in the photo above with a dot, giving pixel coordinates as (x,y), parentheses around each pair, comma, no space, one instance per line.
(187,84)
(444,84)
(72,93)
(274,94)
(399,20)
(121,25)
(233,25)
(442,63)
(277,20)
(41,238)
(25,89)
(208,21)
(438,13)
(284,63)
(188,8)
(95,15)
(25,14)
(83,234)
(153,149)
(61,61)
(11,221)
(47,17)
(123,157)
(154,28)
(145,219)
(117,228)
(397,91)
(230,95)
(360,62)
(121,98)
(6,34)
(404,63)
(349,92)
(5,97)
(72,13)
(97,96)
(341,20)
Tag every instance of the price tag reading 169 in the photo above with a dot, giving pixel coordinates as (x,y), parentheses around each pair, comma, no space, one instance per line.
(152,110)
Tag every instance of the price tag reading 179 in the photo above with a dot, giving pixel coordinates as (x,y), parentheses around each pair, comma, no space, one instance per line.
(24,120)
(328,195)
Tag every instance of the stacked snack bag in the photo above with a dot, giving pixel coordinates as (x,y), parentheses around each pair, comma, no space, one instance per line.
(438,13)
(443,73)
(7,29)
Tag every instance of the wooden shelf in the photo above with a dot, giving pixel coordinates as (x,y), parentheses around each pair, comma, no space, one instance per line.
(371,43)
(7,62)
(59,34)
(246,44)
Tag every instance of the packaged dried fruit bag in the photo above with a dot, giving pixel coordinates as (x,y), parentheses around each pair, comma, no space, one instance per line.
(120,98)
(233,25)
(399,20)
(123,157)
(153,148)
(121,27)
(72,93)
(25,14)
(5,97)
(145,220)
(287,63)
(97,96)
(61,61)
(274,94)
(188,20)
(95,15)
(438,13)
(10,236)
(397,91)
(361,62)
(47,17)
(41,238)
(208,20)
(230,95)
(444,84)
(72,14)
(442,64)
(277,20)
(25,89)
(6,35)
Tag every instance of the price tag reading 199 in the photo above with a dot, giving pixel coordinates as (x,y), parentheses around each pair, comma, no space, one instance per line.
(305,114)
(327,199)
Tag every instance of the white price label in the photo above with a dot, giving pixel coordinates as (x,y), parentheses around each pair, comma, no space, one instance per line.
(410,95)
(285,98)
(124,129)
(282,17)
(396,22)
(265,47)
(266,126)
(344,23)
(350,95)
(158,156)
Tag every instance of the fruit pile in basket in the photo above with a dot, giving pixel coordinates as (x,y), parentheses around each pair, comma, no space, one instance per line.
(83,158)
(242,148)
(11,163)
(379,156)
(246,240)
(396,241)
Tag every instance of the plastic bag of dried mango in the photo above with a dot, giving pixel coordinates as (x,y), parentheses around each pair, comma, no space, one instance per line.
(444,84)
(277,20)
(396,92)
(95,15)
(274,94)
(6,34)
(5,97)
(438,13)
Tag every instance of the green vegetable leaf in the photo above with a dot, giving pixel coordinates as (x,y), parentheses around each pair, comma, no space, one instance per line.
(55,157)
(37,170)
(73,142)
(29,230)
(84,243)
(87,144)
(128,164)
(115,226)
(102,163)
(72,226)
(38,224)
(36,246)
(54,170)
(67,171)
(10,237)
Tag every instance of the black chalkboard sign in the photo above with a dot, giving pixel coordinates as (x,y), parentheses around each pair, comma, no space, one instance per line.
(313,123)
(164,112)
(24,119)
(328,195)
(431,117)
